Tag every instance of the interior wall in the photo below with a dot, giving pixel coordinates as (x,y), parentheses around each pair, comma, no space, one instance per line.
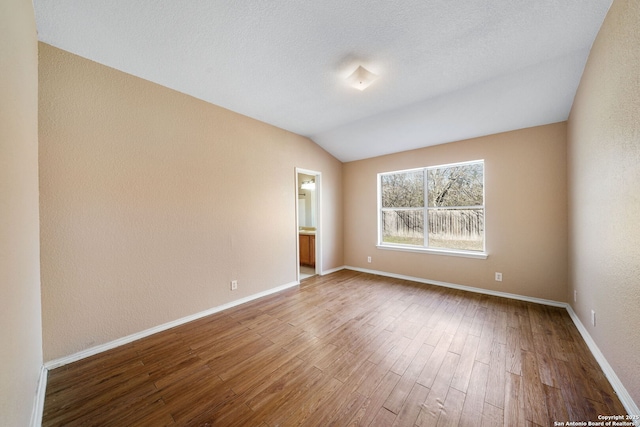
(153,201)
(604,183)
(525,218)
(20,320)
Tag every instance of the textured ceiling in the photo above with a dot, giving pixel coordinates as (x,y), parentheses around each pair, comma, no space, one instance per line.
(449,69)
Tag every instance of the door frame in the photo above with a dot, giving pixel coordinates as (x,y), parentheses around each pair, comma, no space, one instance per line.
(318,208)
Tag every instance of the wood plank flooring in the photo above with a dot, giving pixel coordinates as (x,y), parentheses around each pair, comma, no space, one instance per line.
(345,349)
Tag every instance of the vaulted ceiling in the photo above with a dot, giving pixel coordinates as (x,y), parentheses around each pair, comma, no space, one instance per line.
(448,69)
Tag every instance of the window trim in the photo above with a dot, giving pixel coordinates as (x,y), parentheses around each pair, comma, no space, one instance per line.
(434,251)
(426,249)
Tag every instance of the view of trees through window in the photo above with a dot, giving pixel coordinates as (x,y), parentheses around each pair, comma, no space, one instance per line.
(454,208)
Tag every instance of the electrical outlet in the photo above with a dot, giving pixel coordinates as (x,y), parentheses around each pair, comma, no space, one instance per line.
(368,259)
(234,285)
(593,317)
(498,277)
(575,296)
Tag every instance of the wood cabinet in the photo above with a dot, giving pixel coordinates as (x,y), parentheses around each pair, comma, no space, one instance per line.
(307,249)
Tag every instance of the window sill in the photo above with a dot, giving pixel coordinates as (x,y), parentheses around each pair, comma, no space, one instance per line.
(447,252)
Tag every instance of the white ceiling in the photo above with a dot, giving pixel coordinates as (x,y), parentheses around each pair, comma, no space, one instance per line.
(449,69)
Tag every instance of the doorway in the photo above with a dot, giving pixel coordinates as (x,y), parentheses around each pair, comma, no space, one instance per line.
(308,244)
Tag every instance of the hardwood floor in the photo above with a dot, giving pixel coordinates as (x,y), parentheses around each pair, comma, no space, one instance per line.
(345,349)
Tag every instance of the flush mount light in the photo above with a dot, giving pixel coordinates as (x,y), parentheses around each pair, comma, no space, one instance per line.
(361,78)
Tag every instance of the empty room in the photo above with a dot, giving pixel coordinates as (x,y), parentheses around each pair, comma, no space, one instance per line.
(414,213)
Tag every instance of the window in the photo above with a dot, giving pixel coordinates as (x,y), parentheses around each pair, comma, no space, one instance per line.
(447,201)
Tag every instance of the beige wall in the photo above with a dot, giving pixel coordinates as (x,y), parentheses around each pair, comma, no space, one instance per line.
(153,201)
(604,183)
(20,321)
(526,214)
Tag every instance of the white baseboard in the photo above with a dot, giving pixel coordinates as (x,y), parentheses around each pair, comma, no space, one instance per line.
(38,403)
(56,363)
(462,287)
(621,391)
(333,270)
(617,385)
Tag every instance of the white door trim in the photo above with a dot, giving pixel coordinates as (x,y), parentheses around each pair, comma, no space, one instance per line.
(318,208)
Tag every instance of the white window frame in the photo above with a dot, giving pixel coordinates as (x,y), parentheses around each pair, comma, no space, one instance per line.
(427,249)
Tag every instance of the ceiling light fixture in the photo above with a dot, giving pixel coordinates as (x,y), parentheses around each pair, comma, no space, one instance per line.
(361,78)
